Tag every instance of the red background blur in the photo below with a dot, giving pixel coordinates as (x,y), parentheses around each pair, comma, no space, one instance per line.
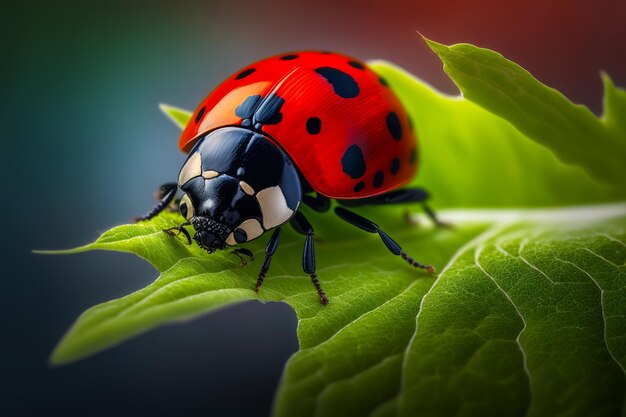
(563,43)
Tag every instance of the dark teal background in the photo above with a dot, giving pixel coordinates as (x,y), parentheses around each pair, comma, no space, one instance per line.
(84,147)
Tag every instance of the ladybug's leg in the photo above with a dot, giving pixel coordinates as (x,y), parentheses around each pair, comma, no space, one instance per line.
(433,216)
(371,227)
(408,195)
(174,231)
(302,225)
(270,249)
(318,203)
(240,253)
(166,194)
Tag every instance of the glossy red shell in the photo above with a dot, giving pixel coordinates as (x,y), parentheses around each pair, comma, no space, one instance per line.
(389,147)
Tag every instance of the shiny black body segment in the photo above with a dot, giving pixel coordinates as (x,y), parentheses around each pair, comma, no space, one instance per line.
(240,154)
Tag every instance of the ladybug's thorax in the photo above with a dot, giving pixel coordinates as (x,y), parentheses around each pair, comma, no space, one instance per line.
(237,185)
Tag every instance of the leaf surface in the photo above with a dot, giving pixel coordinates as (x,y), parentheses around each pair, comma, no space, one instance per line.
(528,309)
(196,283)
(471,157)
(542,113)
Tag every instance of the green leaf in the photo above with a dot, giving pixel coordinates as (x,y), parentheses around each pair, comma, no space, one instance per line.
(529,319)
(145,239)
(473,158)
(545,115)
(526,318)
(198,283)
(614,107)
(524,310)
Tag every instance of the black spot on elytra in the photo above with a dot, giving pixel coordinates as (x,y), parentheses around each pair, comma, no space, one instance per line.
(260,110)
(288,57)
(413,156)
(395,166)
(244,73)
(356,65)
(383,81)
(353,162)
(246,109)
(268,112)
(379,177)
(313,125)
(342,83)
(359,186)
(393,124)
(200,114)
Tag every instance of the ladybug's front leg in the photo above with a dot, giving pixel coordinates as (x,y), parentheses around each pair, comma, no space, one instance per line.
(174,231)
(240,253)
(302,225)
(167,192)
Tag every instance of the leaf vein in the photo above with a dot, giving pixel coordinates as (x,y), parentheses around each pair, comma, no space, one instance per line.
(601,257)
(360,317)
(613,238)
(604,316)
(477,254)
(521,249)
(352,377)
(488,233)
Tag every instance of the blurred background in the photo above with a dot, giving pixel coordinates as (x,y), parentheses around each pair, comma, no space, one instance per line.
(85,146)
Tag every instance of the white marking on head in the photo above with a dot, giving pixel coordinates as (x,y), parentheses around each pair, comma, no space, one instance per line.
(191,169)
(246,188)
(273,207)
(253,230)
(210,174)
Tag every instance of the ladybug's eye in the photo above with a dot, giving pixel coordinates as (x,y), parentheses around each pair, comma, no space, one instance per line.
(185,207)
(240,235)
(248,230)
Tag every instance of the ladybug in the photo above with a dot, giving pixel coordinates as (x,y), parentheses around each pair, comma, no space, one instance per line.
(293,129)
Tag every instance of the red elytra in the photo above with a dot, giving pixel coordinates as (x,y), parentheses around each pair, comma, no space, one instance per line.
(341,124)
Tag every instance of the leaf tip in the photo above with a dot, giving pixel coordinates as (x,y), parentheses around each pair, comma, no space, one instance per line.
(179,116)
(607,82)
(165,108)
(58,358)
(436,47)
(71,251)
(68,350)
(606,78)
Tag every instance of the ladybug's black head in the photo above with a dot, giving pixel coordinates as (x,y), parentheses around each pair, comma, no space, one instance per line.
(220,211)
(237,185)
